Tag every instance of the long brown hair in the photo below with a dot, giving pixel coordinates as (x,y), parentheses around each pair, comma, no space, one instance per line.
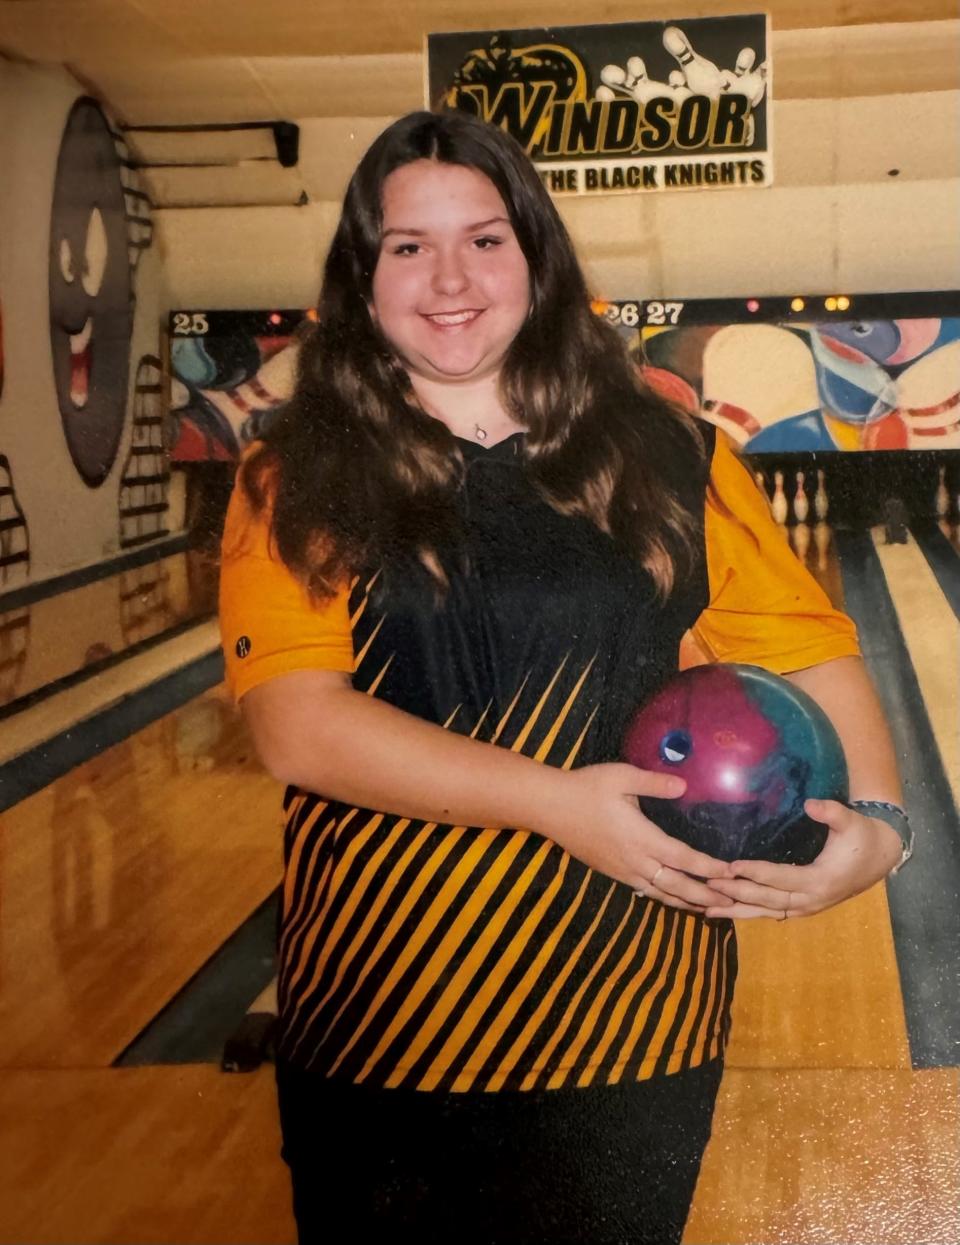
(361,474)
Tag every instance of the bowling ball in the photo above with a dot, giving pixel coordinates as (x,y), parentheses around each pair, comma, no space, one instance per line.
(752,747)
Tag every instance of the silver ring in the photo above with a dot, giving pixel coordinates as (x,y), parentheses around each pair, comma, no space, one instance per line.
(653,880)
(640,894)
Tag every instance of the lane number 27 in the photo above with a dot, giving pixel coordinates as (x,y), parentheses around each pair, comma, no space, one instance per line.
(662,313)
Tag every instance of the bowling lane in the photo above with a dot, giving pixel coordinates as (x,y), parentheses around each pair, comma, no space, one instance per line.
(123,877)
(815,546)
(153,1155)
(819,1158)
(940,546)
(931,632)
(145,1154)
(909,636)
(823,992)
(47,643)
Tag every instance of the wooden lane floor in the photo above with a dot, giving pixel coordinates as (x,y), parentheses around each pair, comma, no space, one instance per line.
(815,546)
(823,992)
(137,1156)
(823,1134)
(931,631)
(48,641)
(131,1156)
(842,1157)
(122,878)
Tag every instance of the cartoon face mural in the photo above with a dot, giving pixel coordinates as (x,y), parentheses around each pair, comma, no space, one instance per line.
(91,292)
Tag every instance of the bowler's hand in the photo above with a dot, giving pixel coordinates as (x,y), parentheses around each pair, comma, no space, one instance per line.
(598,820)
(859,851)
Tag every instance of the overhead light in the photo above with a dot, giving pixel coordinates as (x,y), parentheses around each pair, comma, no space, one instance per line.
(797,305)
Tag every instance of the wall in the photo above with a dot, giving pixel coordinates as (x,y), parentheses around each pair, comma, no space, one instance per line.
(836,219)
(70,521)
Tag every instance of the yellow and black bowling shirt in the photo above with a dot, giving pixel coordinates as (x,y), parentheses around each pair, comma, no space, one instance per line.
(445,957)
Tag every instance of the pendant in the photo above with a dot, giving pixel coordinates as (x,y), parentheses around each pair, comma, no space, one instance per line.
(479,433)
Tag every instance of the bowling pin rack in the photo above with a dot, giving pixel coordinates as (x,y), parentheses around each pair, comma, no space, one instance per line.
(856,491)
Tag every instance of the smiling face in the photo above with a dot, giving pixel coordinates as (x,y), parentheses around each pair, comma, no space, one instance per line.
(451,288)
(91,295)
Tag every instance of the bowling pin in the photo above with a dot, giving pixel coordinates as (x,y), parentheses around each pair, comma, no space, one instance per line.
(821,538)
(702,75)
(743,79)
(761,482)
(942,500)
(779,504)
(604,93)
(641,86)
(614,77)
(801,541)
(801,504)
(678,84)
(636,71)
(821,503)
(945,526)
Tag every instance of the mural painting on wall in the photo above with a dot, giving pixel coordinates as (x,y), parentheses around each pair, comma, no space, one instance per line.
(229,371)
(803,375)
(99,224)
(621,107)
(777,379)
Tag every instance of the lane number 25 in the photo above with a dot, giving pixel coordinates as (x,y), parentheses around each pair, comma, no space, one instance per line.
(187,325)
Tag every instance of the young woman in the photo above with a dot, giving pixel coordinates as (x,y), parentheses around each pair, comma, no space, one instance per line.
(453,568)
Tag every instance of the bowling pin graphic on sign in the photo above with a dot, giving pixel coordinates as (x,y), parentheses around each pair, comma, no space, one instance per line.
(645,88)
(702,76)
(632,83)
(678,84)
(744,79)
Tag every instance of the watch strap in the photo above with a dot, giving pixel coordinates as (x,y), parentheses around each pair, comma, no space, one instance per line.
(895,817)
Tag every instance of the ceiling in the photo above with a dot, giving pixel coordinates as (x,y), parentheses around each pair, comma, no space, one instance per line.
(201,61)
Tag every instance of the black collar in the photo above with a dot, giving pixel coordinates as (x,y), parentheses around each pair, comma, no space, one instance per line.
(508,449)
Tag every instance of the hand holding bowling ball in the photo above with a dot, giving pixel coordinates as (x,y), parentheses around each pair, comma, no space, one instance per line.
(752,749)
(593,813)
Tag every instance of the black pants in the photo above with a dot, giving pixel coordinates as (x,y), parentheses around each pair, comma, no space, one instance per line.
(601,1165)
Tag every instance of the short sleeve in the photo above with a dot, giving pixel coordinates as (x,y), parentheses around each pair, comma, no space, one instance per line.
(269,625)
(766,609)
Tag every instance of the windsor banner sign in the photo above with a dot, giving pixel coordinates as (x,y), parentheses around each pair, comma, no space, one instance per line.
(623,107)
